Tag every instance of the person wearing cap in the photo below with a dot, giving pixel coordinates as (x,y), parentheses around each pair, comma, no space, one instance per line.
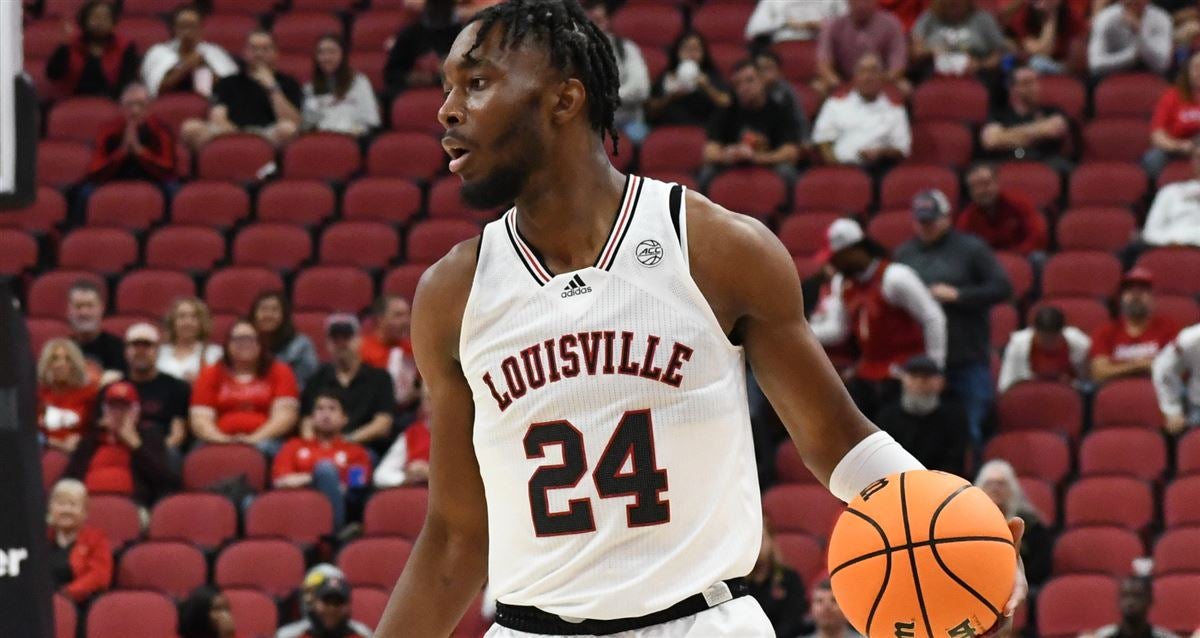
(963,275)
(932,428)
(1005,220)
(1047,350)
(1174,217)
(163,398)
(370,398)
(1127,345)
(891,314)
(329,616)
(120,454)
(864,127)
(1178,361)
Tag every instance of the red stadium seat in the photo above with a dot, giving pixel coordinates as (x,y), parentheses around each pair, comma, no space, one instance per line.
(299,202)
(1187,454)
(48,211)
(273,566)
(298,32)
(48,293)
(1115,140)
(117,517)
(1042,495)
(244,7)
(18,252)
(1064,92)
(1176,603)
(187,248)
(445,200)
(232,290)
(323,156)
(906,180)
(1175,551)
(628,156)
(216,204)
(396,512)
(1020,273)
(62,9)
(205,520)
(367,605)
(1070,605)
(121,614)
(323,5)
(402,280)
(1131,95)
(416,110)
(804,234)
(1085,314)
(150,292)
(649,25)
(798,60)
(1182,310)
(803,553)
(118,324)
(1175,171)
(942,143)
(1122,403)
(62,163)
(312,325)
(42,330)
(373,28)
(65,617)
(1133,452)
(891,228)
(41,37)
(298,65)
(144,31)
(54,462)
(173,568)
(789,467)
(281,247)
(362,244)
(1038,182)
(723,22)
(1043,455)
(802,508)
(673,149)
(655,59)
(1177,270)
(374,562)
(473,622)
(206,466)
(78,119)
(414,155)
(332,289)
(105,251)
(390,200)
(1040,405)
(1097,550)
(759,192)
(1089,501)
(1102,229)
(1003,320)
(129,205)
(429,241)
(945,98)
(1181,502)
(1107,184)
(254,613)
(235,158)
(301,516)
(229,30)
(1081,274)
(843,189)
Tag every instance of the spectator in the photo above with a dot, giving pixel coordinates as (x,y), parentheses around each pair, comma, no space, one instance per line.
(93,59)
(338,99)
(407,461)
(1006,220)
(330,615)
(415,60)
(163,399)
(1044,31)
(964,276)
(1024,129)
(313,579)
(955,37)
(863,127)
(258,99)
(388,347)
(188,326)
(1136,598)
(1130,35)
(80,561)
(846,39)
(1127,345)
(1174,217)
(887,308)
(827,616)
(103,350)
(271,315)
(136,145)
(999,481)
(779,90)
(1176,120)
(186,63)
(1047,350)
(247,398)
(780,21)
(206,613)
(777,587)
(1177,361)
(333,465)
(753,130)
(122,454)
(369,396)
(933,429)
(690,91)
(66,396)
(634,76)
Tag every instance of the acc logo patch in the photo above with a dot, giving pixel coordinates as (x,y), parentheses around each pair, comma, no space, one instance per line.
(649,253)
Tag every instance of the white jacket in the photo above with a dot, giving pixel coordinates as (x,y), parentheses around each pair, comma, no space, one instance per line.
(1180,356)
(1174,217)
(163,57)
(1015,366)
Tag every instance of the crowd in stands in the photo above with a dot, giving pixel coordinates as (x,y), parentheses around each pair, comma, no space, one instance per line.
(993,205)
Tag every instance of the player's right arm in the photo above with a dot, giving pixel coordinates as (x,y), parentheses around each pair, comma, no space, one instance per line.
(448,565)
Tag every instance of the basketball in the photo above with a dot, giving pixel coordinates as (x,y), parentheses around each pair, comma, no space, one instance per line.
(922,554)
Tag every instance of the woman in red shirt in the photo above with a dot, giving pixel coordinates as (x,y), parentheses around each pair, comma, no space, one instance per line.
(81,561)
(248,397)
(66,394)
(1176,121)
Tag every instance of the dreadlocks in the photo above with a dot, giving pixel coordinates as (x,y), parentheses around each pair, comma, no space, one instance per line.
(576,47)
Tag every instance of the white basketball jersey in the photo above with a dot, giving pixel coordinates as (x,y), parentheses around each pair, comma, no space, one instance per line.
(611,422)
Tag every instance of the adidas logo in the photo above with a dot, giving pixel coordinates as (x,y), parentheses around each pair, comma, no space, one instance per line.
(576,287)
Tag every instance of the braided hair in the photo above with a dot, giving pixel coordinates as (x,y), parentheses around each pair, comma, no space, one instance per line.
(576,46)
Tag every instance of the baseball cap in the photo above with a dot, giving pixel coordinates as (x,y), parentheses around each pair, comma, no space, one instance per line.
(121,392)
(1138,276)
(841,234)
(141,331)
(333,587)
(342,324)
(929,205)
(922,364)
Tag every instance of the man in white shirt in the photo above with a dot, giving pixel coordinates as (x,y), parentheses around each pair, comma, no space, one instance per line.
(780,20)
(864,127)
(1174,218)
(1179,359)
(185,63)
(1128,35)
(1048,349)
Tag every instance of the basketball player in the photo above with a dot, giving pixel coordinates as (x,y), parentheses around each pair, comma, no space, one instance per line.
(584,357)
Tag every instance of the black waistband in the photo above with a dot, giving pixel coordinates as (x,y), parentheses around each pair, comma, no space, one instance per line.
(535,621)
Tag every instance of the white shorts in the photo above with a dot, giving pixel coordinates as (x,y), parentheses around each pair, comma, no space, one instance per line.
(738,618)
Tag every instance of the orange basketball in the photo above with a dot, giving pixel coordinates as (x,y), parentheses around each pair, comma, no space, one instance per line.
(922,554)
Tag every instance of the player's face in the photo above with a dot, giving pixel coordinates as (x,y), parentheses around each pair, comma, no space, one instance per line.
(493,115)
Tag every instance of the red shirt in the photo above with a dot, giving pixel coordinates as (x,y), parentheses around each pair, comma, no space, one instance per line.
(397,359)
(91,563)
(242,404)
(1113,340)
(62,413)
(887,335)
(300,456)
(1051,363)
(110,471)
(1176,116)
(1015,225)
(416,441)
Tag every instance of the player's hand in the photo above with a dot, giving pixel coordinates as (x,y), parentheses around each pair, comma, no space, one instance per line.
(1003,627)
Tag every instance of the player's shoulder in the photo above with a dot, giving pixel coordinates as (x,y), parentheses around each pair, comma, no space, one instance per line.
(450,277)
(716,230)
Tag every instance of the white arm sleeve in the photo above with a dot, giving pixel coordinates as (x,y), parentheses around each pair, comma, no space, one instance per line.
(1154,41)
(765,20)
(1014,366)
(904,288)
(1080,346)
(874,457)
(1100,59)
(828,321)
(1167,373)
(1157,229)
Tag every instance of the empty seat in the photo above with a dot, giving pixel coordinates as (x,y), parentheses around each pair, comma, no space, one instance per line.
(1070,605)
(299,202)
(1175,171)
(1134,452)
(1040,405)
(804,234)
(1107,184)
(332,289)
(374,27)
(416,110)
(130,205)
(301,516)
(274,566)
(1103,550)
(210,203)
(891,228)
(102,250)
(1103,229)
(416,155)
(430,240)
(1131,95)
(232,290)
(117,517)
(842,189)
(1177,270)
(65,617)
(206,466)
(150,292)
(48,293)
(802,508)
(906,180)
(362,244)
(803,553)
(390,200)
(297,32)
(53,463)
(186,248)
(1020,273)
(367,605)
(41,37)
(1085,314)
(1187,454)
(723,21)
(230,30)
(1043,455)
(674,148)
(276,246)
(1176,603)
(312,325)
(789,467)
(1038,182)
(1043,496)
(121,614)
(946,98)
(1122,403)
(1175,551)
(798,60)
(78,119)
(374,562)
(144,31)
(759,192)
(396,512)
(1181,502)
(1183,310)
(235,158)
(205,520)
(941,142)
(173,568)
(649,25)
(254,613)
(244,7)
(1081,274)
(48,210)
(18,252)
(1003,320)
(1064,92)
(1090,500)
(402,280)
(62,163)
(1115,140)
(324,156)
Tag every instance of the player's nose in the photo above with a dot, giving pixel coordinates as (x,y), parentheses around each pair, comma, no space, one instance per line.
(451,112)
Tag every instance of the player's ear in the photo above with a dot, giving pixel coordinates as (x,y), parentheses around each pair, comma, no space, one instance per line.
(570,99)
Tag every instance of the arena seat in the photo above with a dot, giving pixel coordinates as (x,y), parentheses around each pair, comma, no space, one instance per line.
(1085,314)
(78,119)
(1040,454)
(216,204)
(332,289)
(758,192)
(299,515)
(390,200)
(236,158)
(130,205)
(891,228)
(367,605)
(414,155)
(18,252)
(298,31)
(1041,406)
(1042,495)
(1070,605)
(1038,182)
(117,516)
(1175,551)
(374,562)
(150,292)
(416,110)
(368,245)
(428,241)
(206,466)
(1081,274)
(402,280)
(203,519)
(1130,95)
(1135,452)
(1107,184)
(1115,140)
(44,215)
(278,246)
(47,295)
(121,614)
(1176,270)
(649,25)
(1064,92)
(1089,501)
(810,509)
(948,98)
(1187,454)
(396,512)
(1020,273)
(941,143)
(65,617)
(254,613)
(1099,229)
(843,189)
(1176,603)
(373,28)
(294,201)
(322,156)
(1181,502)
(906,180)
(193,249)
(273,566)
(1003,320)
(723,22)
(1122,403)
(230,30)
(106,251)
(62,163)
(170,567)
(804,233)
(233,289)
(1097,550)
